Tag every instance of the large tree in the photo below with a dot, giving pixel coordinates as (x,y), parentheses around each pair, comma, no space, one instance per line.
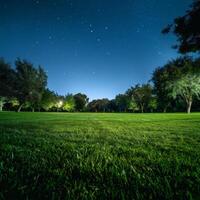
(187,87)
(81,101)
(98,105)
(7,82)
(187,29)
(48,100)
(170,72)
(30,83)
(122,102)
(142,95)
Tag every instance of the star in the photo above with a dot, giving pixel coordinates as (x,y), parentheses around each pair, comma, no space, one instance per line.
(98,39)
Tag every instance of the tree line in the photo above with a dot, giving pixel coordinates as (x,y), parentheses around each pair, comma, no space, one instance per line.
(173,87)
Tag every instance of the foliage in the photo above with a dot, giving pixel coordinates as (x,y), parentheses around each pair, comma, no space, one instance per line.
(7,82)
(122,102)
(81,101)
(170,72)
(48,100)
(141,94)
(30,83)
(69,103)
(187,87)
(27,85)
(153,104)
(99,105)
(187,30)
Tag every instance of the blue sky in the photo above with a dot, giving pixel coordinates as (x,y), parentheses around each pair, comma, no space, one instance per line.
(97,47)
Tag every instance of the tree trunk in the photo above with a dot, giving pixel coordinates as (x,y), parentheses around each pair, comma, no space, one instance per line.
(189,105)
(20,107)
(33,110)
(142,108)
(1,103)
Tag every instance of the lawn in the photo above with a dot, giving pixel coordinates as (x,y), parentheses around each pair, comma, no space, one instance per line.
(99,156)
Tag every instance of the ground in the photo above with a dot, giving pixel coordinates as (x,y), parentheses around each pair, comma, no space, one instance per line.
(99,156)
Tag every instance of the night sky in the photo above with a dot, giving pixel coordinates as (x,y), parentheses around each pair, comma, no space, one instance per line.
(98,47)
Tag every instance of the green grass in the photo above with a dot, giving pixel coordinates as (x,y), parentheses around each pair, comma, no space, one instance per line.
(99,156)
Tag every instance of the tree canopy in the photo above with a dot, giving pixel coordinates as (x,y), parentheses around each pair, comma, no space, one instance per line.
(187,87)
(30,83)
(187,30)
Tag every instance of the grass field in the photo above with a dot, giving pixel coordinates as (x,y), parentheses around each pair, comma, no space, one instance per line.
(99,156)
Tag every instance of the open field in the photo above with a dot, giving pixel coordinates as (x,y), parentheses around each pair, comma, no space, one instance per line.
(99,156)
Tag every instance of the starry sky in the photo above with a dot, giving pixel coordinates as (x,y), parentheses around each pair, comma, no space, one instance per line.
(97,47)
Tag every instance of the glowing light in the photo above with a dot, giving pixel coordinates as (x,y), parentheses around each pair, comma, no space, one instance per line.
(60,103)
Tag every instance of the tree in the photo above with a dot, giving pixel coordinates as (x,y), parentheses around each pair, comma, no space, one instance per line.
(48,100)
(187,30)
(187,87)
(98,105)
(69,103)
(153,104)
(81,101)
(112,107)
(122,102)
(7,82)
(141,94)
(169,73)
(30,83)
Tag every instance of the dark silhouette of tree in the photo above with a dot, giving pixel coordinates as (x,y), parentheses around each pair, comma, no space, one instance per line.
(30,83)
(99,105)
(187,30)
(81,101)
(122,102)
(7,82)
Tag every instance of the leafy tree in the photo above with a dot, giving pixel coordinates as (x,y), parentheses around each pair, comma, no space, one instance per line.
(122,102)
(112,107)
(69,103)
(81,101)
(168,73)
(30,83)
(98,105)
(2,102)
(48,100)
(141,94)
(7,82)
(59,103)
(187,87)
(187,29)
(133,106)
(153,104)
